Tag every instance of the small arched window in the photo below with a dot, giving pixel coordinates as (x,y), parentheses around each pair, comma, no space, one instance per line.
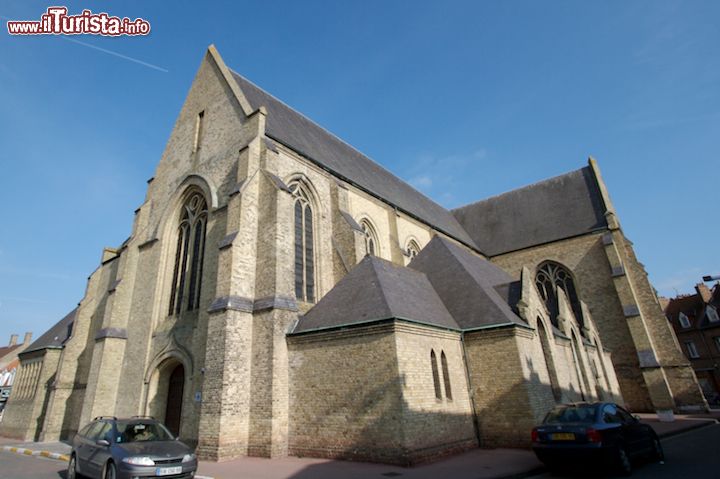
(371,241)
(436,374)
(189,255)
(304,243)
(551,276)
(413,249)
(446,375)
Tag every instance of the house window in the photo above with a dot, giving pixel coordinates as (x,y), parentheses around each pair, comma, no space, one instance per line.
(189,255)
(436,374)
(692,350)
(712,314)
(371,242)
(684,321)
(304,243)
(446,375)
(551,276)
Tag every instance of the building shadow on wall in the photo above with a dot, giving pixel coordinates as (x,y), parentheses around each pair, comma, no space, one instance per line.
(505,415)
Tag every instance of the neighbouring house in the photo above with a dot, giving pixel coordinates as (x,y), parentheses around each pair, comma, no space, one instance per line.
(8,366)
(696,321)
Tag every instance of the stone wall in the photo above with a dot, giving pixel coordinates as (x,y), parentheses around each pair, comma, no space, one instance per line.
(585,257)
(433,426)
(346,395)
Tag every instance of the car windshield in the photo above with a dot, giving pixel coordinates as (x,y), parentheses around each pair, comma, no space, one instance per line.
(563,414)
(141,431)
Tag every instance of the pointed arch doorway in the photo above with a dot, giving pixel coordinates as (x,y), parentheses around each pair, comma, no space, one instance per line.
(173,408)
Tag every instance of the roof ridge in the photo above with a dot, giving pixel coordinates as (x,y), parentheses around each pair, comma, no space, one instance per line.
(376,163)
(373,265)
(520,188)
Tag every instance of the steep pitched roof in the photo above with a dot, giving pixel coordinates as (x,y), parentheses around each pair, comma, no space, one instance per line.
(377,289)
(7,350)
(299,133)
(561,207)
(56,336)
(476,292)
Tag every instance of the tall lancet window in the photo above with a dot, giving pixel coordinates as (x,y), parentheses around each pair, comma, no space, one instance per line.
(304,244)
(371,242)
(187,274)
(551,276)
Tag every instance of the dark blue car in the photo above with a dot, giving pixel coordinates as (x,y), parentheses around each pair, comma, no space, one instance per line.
(578,433)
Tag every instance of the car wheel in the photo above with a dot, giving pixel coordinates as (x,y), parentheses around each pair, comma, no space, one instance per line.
(623,462)
(110,471)
(72,469)
(658,455)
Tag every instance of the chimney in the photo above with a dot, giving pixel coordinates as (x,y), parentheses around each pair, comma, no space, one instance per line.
(704,292)
(13,339)
(28,338)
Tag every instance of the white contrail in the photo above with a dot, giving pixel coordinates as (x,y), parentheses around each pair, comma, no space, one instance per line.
(109,52)
(119,55)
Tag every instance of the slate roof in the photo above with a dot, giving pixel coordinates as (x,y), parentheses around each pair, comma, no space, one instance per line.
(376,289)
(561,207)
(5,350)
(299,133)
(56,336)
(694,308)
(477,293)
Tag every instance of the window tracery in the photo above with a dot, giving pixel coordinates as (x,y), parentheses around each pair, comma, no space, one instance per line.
(189,255)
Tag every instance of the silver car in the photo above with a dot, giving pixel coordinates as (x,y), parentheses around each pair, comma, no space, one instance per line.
(112,448)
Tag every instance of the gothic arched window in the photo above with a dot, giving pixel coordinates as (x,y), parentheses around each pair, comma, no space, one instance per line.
(187,274)
(446,375)
(371,242)
(412,249)
(551,276)
(435,374)
(304,244)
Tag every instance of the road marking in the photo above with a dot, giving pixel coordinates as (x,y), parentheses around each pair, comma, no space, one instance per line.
(31,452)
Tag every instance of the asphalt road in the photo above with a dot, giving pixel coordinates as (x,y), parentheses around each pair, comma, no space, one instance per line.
(694,454)
(18,466)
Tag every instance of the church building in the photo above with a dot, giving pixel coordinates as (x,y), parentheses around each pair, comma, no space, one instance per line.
(282,294)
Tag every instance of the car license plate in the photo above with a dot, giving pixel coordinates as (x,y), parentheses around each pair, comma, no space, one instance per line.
(168,471)
(562,436)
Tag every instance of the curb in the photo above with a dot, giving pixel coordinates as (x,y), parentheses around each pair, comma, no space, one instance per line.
(31,452)
(55,455)
(700,424)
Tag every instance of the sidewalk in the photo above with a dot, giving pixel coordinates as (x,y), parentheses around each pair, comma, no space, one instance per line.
(474,464)
(682,422)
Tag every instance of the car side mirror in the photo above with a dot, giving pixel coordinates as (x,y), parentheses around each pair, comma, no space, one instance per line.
(102,442)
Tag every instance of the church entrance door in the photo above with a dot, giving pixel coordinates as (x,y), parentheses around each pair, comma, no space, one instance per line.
(173,411)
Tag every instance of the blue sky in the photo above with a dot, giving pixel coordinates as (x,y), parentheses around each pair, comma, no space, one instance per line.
(463,99)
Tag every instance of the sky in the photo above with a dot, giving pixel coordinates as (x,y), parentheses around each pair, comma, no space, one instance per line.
(464,100)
